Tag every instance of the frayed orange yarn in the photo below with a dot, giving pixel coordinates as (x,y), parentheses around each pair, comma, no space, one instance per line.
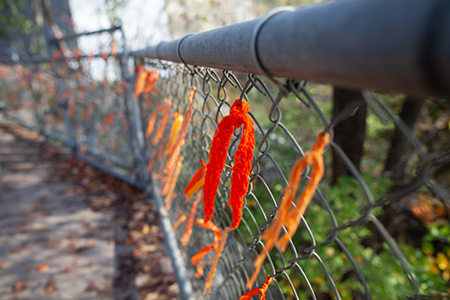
(179,221)
(151,123)
(243,157)
(291,217)
(205,250)
(162,125)
(190,221)
(140,81)
(174,133)
(105,55)
(180,141)
(169,197)
(218,254)
(258,291)
(200,269)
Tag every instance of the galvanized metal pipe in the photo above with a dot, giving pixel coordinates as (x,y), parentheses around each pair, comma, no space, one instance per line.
(401,45)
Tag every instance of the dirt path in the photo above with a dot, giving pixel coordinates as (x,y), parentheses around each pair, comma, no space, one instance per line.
(68,231)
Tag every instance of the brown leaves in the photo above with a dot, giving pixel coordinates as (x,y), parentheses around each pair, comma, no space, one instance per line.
(50,287)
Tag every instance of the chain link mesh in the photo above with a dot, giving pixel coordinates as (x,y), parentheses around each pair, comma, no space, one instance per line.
(86,102)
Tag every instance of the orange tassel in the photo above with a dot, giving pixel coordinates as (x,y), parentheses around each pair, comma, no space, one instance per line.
(140,81)
(290,218)
(168,200)
(190,221)
(218,254)
(179,221)
(164,121)
(113,48)
(174,132)
(151,123)
(217,157)
(258,291)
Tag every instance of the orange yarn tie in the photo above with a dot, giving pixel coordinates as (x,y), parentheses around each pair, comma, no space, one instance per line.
(218,254)
(179,221)
(151,123)
(113,48)
(165,119)
(140,81)
(152,77)
(168,200)
(290,218)
(258,291)
(217,157)
(190,221)
(174,133)
(180,141)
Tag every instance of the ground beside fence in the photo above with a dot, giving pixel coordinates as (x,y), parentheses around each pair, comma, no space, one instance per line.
(68,231)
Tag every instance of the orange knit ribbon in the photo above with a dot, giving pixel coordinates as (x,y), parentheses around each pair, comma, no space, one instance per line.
(217,157)
(291,217)
(258,291)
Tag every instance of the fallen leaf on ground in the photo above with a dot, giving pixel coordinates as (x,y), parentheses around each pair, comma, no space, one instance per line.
(44,267)
(19,286)
(50,287)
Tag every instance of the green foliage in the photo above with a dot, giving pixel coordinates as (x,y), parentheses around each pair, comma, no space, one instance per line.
(11,19)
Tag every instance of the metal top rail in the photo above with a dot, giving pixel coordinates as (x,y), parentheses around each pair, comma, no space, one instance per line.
(400,45)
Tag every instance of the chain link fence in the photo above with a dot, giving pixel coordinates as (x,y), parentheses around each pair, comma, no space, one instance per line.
(83,97)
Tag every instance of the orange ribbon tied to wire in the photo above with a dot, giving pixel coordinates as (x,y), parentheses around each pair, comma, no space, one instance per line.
(291,217)
(243,157)
(258,291)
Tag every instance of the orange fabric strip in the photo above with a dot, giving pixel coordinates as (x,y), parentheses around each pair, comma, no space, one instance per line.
(197,176)
(113,48)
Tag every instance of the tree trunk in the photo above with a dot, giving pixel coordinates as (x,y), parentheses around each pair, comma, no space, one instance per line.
(401,149)
(349,133)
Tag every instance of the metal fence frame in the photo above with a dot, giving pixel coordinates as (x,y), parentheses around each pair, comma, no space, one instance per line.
(335,51)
